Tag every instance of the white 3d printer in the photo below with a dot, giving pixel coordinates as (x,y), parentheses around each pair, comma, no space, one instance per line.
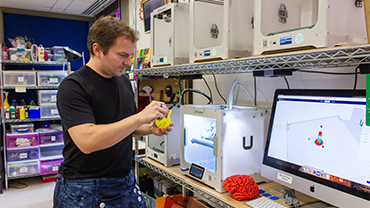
(286,24)
(220,29)
(170,34)
(217,143)
(166,149)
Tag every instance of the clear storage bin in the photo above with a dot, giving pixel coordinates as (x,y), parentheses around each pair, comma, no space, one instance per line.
(24,168)
(22,140)
(19,154)
(47,96)
(19,54)
(50,136)
(23,78)
(51,152)
(49,167)
(50,78)
(59,57)
(49,110)
(21,128)
(57,50)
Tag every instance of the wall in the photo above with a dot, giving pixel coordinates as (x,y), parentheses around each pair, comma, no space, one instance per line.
(266,86)
(49,30)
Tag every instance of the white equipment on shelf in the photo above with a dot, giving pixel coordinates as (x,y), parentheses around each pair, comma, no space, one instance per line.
(286,24)
(218,143)
(220,29)
(166,149)
(170,34)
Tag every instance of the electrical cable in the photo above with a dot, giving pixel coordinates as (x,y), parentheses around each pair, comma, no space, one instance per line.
(230,96)
(255,90)
(190,90)
(287,83)
(210,92)
(356,72)
(214,78)
(322,72)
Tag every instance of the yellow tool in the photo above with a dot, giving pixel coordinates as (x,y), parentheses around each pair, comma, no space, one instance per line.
(165,122)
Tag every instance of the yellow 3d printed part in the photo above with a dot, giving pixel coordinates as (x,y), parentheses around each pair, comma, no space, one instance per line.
(165,122)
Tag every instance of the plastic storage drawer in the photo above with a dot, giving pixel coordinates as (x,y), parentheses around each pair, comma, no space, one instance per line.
(57,50)
(50,78)
(21,128)
(59,57)
(24,168)
(12,78)
(49,110)
(19,154)
(51,152)
(50,136)
(49,167)
(47,96)
(22,140)
(19,54)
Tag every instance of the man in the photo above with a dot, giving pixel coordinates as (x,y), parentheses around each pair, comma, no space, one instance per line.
(99,118)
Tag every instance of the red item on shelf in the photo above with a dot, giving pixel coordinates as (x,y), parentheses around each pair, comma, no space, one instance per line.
(241,187)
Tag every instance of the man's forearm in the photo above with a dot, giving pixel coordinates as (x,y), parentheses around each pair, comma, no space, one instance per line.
(143,130)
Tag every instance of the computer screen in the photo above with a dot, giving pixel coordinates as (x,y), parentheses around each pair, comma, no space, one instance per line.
(318,144)
(148,7)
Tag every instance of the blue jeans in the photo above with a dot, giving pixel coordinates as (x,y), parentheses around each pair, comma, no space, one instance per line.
(100,193)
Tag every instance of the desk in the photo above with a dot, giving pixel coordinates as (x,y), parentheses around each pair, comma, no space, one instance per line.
(221,199)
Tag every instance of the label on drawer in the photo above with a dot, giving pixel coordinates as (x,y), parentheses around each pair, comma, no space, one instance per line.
(53,138)
(23,170)
(54,111)
(55,168)
(20,79)
(22,142)
(22,155)
(53,98)
(53,80)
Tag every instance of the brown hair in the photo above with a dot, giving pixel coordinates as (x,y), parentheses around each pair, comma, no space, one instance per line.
(106,30)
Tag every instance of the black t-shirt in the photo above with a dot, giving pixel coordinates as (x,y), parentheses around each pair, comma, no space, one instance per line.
(86,97)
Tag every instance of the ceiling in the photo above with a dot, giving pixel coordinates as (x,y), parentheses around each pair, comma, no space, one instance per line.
(76,7)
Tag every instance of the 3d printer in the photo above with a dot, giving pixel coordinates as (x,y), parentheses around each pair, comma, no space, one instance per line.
(287,24)
(215,140)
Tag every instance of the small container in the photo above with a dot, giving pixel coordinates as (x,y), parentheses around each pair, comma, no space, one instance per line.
(4,52)
(50,78)
(24,168)
(19,154)
(50,136)
(19,78)
(21,128)
(34,112)
(50,167)
(22,140)
(19,54)
(51,151)
(47,96)
(49,110)
(59,58)
(58,50)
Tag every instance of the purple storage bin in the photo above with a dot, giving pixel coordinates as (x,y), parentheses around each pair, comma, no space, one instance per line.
(48,136)
(49,167)
(19,154)
(22,140)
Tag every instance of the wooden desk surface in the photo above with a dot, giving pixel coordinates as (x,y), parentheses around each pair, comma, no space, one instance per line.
(272,187)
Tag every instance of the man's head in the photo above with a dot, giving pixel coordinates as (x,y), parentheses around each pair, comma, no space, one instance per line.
(106,30)
(111,44)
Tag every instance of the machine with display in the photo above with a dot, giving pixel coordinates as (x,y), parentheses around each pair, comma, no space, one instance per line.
(318,144)
(170,34)
(220,29)
(217,142)
(299,24)
(166,149)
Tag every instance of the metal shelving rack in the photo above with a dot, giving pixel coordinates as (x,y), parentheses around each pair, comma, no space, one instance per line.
(186,185)
(3,121)
(310,59)
(318,58)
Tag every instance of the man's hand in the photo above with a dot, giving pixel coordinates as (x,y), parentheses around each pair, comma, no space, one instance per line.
(159,132)
(155,110)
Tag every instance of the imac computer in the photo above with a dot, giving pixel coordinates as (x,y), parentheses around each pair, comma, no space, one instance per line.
(318,144)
